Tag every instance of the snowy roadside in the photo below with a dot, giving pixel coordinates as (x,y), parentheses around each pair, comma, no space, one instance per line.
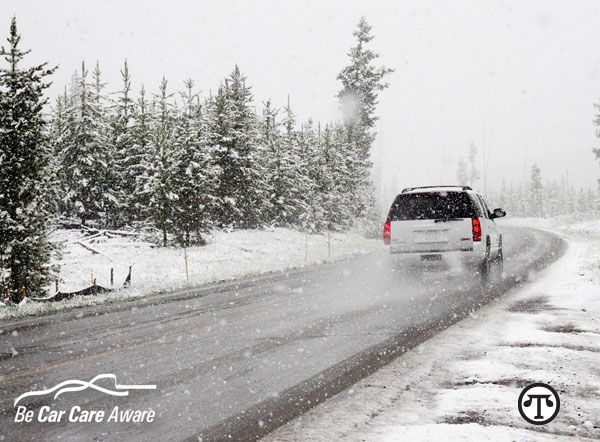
(154,269)
(464,384)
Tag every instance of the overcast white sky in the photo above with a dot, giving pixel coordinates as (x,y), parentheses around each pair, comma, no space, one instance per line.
(518,77)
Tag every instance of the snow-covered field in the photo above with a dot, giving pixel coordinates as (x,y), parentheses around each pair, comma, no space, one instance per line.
(228,255)
(464,384)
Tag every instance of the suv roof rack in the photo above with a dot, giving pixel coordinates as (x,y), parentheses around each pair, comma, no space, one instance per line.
(408,189)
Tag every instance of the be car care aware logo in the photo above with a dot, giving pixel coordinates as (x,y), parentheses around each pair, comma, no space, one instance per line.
(47,413)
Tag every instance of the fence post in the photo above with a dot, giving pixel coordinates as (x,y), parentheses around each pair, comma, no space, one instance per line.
(56,285)
(306,247)
(24,293)
(6,293)
(112,276)
(187,277)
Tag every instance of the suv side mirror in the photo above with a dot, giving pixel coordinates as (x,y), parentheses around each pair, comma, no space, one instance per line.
(498,213)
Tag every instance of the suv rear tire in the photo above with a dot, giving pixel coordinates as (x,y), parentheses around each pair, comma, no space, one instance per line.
(486,265)
(500,259)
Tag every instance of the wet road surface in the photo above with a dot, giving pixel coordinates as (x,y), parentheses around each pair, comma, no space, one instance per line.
(232,361)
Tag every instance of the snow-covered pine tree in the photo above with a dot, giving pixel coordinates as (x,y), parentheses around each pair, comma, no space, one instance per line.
(279,164)
(596,150)
(473,171)
(361,83)
(25,251)
(107,176)
(338,169)
(462,174)
(330,196)
(234,136)
(298,183)
(216,136)
(536,191)
(159,166)
(502,196)
(124,158)
(142,156)
(83,162)
(193,179)
(57,137)
(312,218)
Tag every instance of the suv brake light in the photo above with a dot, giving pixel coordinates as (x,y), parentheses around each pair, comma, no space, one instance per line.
(386,233)
(476,229)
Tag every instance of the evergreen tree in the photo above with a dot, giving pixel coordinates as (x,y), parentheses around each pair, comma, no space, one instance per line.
(107,175)
(234,136)
(462,174)
(280,165)
(536,191)
(361,83)
(193,179)
(329,175)
(295,181)
(83,162)
(58,136)
(473,171)
(25,251)
(141,158)
(596,150)
(339,170)
(311,218)
(159,168)
(124,158)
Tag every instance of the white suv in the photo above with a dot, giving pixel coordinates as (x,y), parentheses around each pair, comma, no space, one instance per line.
(444,223)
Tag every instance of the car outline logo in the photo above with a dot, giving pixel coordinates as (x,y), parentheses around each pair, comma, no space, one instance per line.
(73,385)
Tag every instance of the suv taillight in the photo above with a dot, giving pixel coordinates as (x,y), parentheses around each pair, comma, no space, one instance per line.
(476,229)
(386,233)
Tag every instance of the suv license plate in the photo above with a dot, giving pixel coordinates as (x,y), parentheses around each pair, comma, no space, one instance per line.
(431,257)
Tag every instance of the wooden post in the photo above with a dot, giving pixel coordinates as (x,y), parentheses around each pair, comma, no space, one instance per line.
(94,281)
(112,276)
(6,293)
(24,293)
(187,277)
(56,285)
(306,248)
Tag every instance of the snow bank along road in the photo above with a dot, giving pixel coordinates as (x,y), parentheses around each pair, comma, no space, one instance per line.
(234,361)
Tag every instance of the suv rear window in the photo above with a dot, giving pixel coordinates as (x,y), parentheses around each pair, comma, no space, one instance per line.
(432,205)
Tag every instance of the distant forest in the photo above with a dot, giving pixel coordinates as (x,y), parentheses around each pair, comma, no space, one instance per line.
(535,197)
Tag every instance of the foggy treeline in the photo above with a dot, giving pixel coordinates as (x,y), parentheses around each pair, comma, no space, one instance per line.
(551,198)
(535,197)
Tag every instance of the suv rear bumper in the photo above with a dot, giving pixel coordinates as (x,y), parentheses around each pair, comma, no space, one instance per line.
(473,256)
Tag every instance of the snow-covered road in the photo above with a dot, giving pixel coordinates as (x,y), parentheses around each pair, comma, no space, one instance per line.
(239,359)
(463,384)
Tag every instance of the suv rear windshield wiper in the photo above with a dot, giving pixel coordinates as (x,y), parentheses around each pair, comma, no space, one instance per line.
(443,220)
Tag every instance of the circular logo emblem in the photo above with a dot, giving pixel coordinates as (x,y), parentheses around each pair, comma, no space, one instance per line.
(539,404)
